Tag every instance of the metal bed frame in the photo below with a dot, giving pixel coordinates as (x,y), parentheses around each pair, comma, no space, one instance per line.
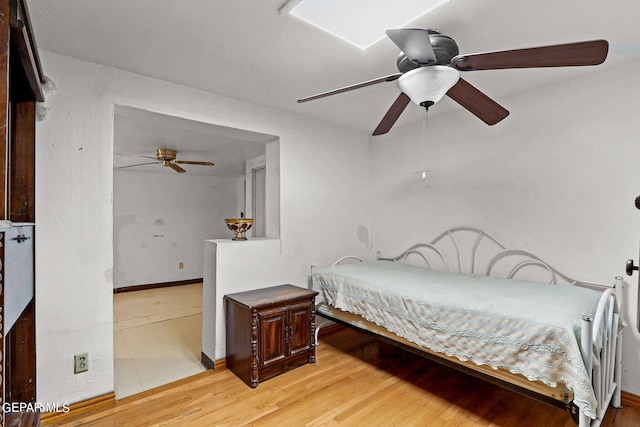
(603,362)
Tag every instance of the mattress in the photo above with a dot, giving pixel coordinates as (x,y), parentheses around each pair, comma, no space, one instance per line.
(526,328)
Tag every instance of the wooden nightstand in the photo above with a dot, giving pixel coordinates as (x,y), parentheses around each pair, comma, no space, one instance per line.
(269,331)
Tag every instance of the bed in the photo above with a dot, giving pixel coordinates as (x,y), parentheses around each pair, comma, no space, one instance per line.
(466,301)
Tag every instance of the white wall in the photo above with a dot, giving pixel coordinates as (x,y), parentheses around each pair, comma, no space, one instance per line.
(321,208)
(557,177)
(161,219)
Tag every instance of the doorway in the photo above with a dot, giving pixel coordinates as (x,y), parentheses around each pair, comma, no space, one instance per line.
(161,219)
(259,176)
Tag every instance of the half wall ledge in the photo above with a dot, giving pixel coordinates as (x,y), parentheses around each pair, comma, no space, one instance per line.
(229,267)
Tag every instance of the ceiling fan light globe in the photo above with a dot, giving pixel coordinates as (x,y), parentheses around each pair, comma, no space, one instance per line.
(427,85)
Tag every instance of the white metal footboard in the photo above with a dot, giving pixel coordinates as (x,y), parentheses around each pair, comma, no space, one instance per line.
(337,262)
(601,351)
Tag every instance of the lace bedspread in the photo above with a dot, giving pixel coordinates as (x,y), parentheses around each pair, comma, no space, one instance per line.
(528,328)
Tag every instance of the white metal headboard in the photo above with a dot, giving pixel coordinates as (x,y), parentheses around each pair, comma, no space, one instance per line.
(470,250)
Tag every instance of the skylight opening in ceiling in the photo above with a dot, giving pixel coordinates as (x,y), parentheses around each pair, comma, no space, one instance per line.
(361,23)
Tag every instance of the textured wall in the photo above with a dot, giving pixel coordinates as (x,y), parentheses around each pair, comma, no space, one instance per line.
(161,219)
(557,177)
(323,200)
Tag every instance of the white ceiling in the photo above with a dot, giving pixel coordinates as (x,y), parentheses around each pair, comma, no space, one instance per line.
(246,50)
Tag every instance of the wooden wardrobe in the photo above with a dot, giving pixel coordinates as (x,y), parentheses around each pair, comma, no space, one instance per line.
(20,89)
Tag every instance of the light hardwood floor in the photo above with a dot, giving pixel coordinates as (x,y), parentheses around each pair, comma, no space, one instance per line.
(157,336)
(357,381)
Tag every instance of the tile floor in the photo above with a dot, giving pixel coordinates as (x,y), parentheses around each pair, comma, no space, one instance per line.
(157,337)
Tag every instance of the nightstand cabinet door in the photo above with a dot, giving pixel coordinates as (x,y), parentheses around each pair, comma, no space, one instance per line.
(300,333)
(273,336)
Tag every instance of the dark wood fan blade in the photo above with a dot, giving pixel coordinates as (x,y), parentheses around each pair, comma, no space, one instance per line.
(479,104)
(592,52)
(139,164)
(176,168)
(388,78)
(392,114)
(189,162)
(415,43)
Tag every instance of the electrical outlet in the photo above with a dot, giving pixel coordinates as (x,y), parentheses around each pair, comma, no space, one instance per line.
(180,265)
(80,363)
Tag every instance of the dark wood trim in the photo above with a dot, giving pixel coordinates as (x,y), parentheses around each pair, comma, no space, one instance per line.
(210,364)
(3,374)
(20,85)
(23,419)
(99,402)
(20,341)
(20,356)
(207,362)
(25,16)
(630,400)
(5,11)
(22,154)
(156,285)
(19,36)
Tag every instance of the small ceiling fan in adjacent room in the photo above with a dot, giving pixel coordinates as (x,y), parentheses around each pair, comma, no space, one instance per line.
(167,157)
(429,68)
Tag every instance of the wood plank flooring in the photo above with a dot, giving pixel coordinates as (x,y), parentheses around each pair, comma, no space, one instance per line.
(357,381)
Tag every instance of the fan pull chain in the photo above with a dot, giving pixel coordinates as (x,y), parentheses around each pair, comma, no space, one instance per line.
(425,125)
